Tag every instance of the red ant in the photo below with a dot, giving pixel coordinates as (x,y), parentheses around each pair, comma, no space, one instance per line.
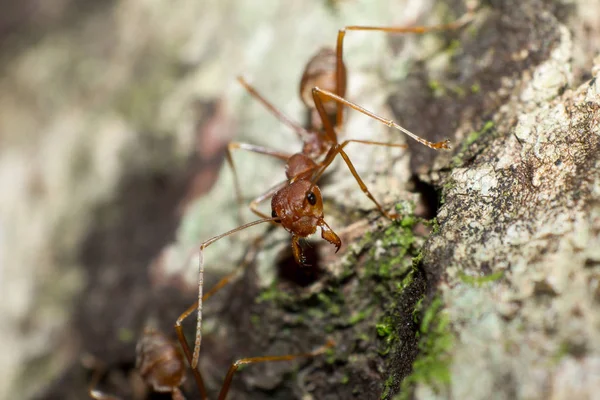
(296,203)
(322,90)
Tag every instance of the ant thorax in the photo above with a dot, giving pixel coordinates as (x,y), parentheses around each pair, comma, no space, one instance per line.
(297,165)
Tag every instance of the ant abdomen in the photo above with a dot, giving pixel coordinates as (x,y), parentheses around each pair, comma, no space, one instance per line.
(321,72)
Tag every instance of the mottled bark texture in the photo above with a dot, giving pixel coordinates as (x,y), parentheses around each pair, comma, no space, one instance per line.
(113,122)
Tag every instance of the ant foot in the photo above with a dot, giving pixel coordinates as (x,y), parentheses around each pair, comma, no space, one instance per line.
(393,216)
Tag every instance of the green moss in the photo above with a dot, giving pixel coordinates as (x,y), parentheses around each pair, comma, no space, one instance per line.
(480,280)
(384,329)
(359,316)
(274,295)
(432,366)
(330,357)
(405,282)
(433,224)
(255,320)
(458,90)
(345,379)
(487,127)
(417,310)
(126,335)
(364,337)
(473,136)
(450,184)
(389,258)
(475,88)
(332,306)
(454,46)
(436,88)
(387,387)
(457,160)
(386,258)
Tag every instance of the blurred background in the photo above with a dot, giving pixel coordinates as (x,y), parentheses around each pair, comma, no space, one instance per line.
(114,119)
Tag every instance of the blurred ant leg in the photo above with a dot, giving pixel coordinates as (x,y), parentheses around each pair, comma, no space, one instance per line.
(193,357)
(265,196)
(255,360)
(99,370)
(98,395)
(300,131)
(339,51)
(255,149)
(187,351)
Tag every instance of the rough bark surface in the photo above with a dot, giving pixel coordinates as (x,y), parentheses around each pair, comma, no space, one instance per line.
(113,124)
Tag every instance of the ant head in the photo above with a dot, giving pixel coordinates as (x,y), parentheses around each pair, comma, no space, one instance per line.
(300,209)
(299,206)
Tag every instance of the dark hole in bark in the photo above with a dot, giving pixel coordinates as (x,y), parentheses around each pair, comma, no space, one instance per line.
(430,197)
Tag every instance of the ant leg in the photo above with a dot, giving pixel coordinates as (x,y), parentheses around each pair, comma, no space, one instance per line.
(319,95)
(255,149)
(339,148)
(346,142)
(99,370)
(340,73)
(98,395)
(300,131)
(255,360)
(186,349)
(193,357)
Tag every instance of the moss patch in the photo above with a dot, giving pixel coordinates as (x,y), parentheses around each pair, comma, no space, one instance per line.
(432,366)
(366,309)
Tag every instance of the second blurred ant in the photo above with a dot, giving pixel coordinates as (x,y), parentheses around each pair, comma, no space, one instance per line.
(158,362)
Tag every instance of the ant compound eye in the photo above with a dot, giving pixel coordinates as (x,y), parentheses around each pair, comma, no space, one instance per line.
(274,215)
(312,199)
